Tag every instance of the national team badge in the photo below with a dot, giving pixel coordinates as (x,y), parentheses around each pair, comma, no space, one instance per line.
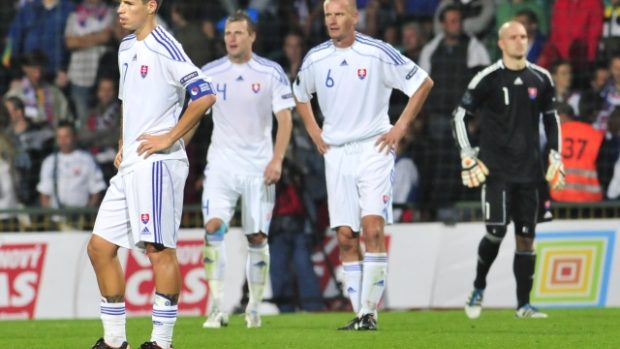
(361,73)
(532,92)
(144,69)
(256,87)
(385,199)
(145,217)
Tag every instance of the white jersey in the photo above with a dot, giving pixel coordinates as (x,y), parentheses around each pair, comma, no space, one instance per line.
(247,94)
(354,85)
(155,74)
(75,175)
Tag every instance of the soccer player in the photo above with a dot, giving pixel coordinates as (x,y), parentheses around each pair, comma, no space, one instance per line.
(353,76)
(142,207)
(249,89)
(509,98)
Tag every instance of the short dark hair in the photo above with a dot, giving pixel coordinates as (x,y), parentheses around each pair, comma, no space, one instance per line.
(17,103)
(531,15)
(34,58)
(451,7)
(555,65)
(67,124)
(242,16)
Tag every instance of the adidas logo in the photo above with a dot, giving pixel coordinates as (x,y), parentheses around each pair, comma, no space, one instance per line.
(240,78)
(344,63)
(351,290)
(380,283)
(145,231)
(518,81)
(135,58)
(207,260)
(261,264)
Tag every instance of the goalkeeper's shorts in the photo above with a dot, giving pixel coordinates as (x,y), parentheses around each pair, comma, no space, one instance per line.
(503,201)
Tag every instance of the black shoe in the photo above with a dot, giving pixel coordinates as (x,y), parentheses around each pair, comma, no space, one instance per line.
(101,344)
(353,325)
(152,345)
(367,322)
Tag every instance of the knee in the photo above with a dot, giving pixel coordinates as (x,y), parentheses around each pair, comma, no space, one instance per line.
(99,249)
(524,244)
(496,233)
(347,239)
(257,239)
(373,232)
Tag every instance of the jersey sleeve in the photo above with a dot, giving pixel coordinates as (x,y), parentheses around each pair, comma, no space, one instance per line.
(190,78)
(401,73)
(304,85)
(46,176)
(551,121)
(96,183)
(467,106)
(282,95)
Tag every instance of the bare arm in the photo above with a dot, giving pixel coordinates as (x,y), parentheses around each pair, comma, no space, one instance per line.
(95,199)
(75,42)
(273,171)
(45,200)
(154,143)
(392,138)
(313,129)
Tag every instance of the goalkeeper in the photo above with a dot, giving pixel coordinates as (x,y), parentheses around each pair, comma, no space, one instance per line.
(509,98)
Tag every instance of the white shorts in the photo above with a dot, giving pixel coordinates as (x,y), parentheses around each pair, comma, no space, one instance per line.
(144,205)
(359,183)
(222,191)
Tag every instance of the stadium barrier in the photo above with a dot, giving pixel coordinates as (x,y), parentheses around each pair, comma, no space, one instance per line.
(431,265)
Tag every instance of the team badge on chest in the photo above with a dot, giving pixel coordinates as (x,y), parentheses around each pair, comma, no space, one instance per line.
(256,87)
(144,69)
(361,73)
(532,92)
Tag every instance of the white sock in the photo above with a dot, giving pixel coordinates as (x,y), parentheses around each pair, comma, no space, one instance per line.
(373,281)
(215,268)
(113,319)
(164,317)
(256,271)
(352,273)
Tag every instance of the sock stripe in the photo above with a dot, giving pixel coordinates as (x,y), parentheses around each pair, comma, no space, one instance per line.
(113,311)
(374,259)
(353,267)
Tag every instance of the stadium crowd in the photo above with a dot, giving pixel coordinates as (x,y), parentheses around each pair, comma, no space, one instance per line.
(59,67)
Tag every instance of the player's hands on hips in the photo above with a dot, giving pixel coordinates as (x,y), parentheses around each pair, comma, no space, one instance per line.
(555,172)
(321,146)
(473,171)
(390,140)
(151,144)
(118,158)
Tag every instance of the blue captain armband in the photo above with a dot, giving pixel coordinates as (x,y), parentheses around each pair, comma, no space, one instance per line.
(199,88)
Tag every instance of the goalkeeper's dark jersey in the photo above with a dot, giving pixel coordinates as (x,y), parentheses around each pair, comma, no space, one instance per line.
(509,104)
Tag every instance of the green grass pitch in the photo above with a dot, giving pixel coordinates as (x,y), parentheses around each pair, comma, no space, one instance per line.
(595,328)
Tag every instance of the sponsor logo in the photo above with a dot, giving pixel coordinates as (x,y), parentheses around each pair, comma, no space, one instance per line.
(287,96)
(344,63)
(188,77)
(141,285)
(361,73)
(240,78)
(21,267)
(144,70)
(532,92)
(411,73)
(256,87)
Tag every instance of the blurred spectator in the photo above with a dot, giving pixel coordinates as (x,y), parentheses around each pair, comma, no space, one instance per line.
(419,10)
(292,53)
(562,76)
(39,25)
(508,9)
(8,197)
(89,29)
(576,27)
(591,101)
(477,16)
(610,43)
(610,151)
(69,177)
(535,39)
(32,143)
(101,131)
(44,102)
(580,148)
(290,245)
(451,58)
(412,41)
(406,178)
(376,16)
(188,30)
(610,95)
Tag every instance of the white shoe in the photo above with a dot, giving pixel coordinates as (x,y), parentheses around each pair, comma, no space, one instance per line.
(216,319)
(528,311)
(473,306)
(252,319)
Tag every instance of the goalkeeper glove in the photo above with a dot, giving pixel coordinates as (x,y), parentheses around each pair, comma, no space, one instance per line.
(473,171)
(555,171)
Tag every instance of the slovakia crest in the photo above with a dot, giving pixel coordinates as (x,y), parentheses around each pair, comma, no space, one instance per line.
(144,69)
(256,87)
(145,217)
(532,92)
(361,73)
